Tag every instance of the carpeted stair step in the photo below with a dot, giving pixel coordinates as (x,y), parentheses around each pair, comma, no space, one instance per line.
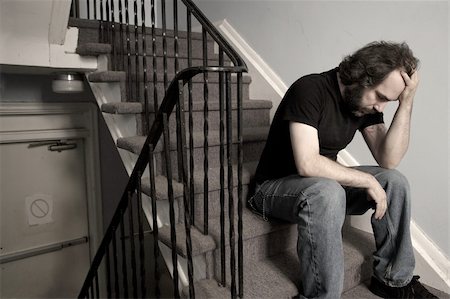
(197,90)
(93,49)
(89,32)
(107,76)
(256,113)
(200,243)
(277,276)
(206,243)
(122,108)
(161,190)
(253,144)
(134,144)
(361,291)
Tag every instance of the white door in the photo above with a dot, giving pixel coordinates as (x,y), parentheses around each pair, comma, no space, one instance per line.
(44,250)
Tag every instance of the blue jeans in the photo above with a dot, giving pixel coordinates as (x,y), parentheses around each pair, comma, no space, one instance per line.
(318,206)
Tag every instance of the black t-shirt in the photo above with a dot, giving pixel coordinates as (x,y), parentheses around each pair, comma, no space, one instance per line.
(314,100)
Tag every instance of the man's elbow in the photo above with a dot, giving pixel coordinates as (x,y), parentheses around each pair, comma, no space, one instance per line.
(306,169)
(388,164)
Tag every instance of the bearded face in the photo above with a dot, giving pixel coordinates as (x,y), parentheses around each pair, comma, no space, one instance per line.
(353,98)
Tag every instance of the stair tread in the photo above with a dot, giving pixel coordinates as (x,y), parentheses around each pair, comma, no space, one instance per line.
(122,108)
(134,144)
(259,276)
(93,49)
(202,243)
(137,107)
(107,76)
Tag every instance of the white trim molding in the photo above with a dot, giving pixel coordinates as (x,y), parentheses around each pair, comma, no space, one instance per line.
(431,263)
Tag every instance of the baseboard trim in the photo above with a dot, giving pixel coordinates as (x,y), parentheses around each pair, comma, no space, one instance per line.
(435,266)
(433,257)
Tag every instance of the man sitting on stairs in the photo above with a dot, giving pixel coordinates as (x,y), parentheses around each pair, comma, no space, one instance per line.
(299,180)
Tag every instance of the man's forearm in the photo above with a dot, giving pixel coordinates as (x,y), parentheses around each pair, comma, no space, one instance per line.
(320,166)
(396,141)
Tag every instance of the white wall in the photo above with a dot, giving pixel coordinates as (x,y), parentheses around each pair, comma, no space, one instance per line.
(35,33)
(300,37)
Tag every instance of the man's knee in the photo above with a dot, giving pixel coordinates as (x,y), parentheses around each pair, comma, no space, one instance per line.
(328,195)
(392,178)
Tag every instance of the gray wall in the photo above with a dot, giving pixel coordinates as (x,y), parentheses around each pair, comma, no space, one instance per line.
(300,37)
(36,87)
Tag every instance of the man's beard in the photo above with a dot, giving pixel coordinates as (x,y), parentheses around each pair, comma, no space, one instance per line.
(353,98)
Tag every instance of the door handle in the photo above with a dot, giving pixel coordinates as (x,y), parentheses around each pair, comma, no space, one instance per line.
(55,145)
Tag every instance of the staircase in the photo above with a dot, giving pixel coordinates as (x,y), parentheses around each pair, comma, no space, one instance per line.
(202,254)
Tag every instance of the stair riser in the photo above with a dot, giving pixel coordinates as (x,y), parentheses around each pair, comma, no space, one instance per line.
(251,118)
(251,152)
(214,205)
(356,275)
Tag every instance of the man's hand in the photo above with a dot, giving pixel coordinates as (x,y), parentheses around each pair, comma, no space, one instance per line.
(377,194)
(407,96)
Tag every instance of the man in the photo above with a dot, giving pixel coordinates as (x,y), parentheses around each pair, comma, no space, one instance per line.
(299,180)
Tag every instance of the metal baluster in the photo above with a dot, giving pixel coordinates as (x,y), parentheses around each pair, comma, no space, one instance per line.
(173,236)
(163,11)
(175,33)
(97,288)
(108,274)
(95,9)
(222,171)
(108,28)
(141,236)
(116,271)
(180,89)
(136,54)
(74,10)
(155,74)
(129,82)
(124,259)
(230,185)
(187,224)
(133,247)
(102,28)
(91,291)
(191,119)
(155,219)
(121,49)
(88,9)
(113,37)
(240,196)
(144,68)
(205,134)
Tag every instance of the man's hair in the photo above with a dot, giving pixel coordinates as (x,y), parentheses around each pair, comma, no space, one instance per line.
(371,64)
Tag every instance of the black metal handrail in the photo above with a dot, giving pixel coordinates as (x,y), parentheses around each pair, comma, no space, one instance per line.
(121,59)
(156,131)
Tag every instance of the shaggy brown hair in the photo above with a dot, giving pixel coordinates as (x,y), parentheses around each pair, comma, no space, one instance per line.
(371,64)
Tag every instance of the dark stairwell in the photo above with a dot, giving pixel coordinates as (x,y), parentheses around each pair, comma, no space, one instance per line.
(178,190)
